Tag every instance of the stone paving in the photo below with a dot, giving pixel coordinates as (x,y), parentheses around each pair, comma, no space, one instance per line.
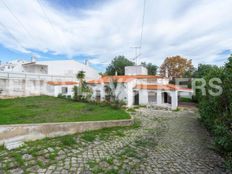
(165,142)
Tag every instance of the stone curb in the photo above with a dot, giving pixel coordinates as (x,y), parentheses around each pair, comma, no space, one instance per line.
(30,132)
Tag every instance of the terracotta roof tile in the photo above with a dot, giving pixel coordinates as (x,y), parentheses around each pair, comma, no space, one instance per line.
(168,87)
(122,79)
(62,83)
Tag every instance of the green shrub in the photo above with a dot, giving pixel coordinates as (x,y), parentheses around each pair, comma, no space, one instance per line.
(117,104)
(223,138)
(184,99)
(61,96)
(131,110)
(216,111)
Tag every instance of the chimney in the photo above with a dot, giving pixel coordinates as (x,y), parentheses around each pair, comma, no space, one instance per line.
(166,72)
(33,59)
(86,62)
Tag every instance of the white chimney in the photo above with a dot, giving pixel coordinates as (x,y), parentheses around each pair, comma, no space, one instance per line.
(86,62)
(166,72)
(33,59)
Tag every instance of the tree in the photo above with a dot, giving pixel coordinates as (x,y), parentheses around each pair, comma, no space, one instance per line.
(113,90)
(203,69)
(83,92)
(118,65)
(81,76)
(176,67)
(152,69)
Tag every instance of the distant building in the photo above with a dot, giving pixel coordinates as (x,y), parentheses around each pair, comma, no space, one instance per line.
(135,70)
(22,78)
(53,67)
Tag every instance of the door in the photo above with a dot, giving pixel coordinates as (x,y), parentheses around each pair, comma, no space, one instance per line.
(98,95)
(165,97)
(152,97)
(136,98)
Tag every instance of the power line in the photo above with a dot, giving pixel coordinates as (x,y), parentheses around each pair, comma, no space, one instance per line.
(45,14)
(11,34)
(22,25)
(49,20)
(143,16)
(138,48)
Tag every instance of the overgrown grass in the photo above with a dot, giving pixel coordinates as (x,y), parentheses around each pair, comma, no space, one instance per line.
(2,148)
(45,109)
(184,99)
(18,158)
(88,136)
(177,110)
(68,140)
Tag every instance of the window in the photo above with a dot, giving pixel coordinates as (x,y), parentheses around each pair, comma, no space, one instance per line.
(152,97)
(64,90)
(98,95)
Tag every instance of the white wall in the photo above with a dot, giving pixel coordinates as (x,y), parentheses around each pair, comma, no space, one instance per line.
(40,69)
(163,81)
(58,90)
(69,68)
(56,67)
(135,70)
(185,94)
(143,97)
(174,100)
(121,91)
(130,92)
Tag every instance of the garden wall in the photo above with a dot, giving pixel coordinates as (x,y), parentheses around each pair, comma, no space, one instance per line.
(29,132)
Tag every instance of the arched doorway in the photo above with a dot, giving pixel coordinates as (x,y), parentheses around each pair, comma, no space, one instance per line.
(167,98)
(136,97)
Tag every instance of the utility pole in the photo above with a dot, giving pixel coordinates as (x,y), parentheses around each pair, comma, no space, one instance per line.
(137,50)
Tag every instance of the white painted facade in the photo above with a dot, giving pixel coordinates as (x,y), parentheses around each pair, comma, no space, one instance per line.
(30,84)
(69,68)
(162,95)
(55,90)
(21,78)
(135,70)
(54,67)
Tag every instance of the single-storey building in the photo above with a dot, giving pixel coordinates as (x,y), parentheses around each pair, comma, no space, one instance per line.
(138,88)
(55,88)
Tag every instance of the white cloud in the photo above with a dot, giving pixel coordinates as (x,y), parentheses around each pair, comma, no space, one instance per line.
(195,29)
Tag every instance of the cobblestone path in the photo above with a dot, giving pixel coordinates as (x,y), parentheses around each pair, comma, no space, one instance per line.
(166,142)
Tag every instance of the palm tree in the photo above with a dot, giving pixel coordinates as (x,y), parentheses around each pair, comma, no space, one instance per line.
(111,88)
(81,76)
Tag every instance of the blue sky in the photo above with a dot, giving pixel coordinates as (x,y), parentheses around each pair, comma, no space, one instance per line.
(99,30)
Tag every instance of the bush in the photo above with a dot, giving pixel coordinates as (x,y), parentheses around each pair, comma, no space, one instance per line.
(61,96)
(184,99)
(117,104)
(216,111)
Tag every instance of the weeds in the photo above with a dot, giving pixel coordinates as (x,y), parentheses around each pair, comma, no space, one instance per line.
(18,158)
(88,136)
(68,140)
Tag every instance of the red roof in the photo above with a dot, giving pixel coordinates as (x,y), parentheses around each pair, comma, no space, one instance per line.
(168,87)
(122,79)
(62,83)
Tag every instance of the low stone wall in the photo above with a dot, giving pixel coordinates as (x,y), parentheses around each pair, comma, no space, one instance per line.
(30,132)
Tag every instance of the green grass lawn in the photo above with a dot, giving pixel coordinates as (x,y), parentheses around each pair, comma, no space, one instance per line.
(45,109)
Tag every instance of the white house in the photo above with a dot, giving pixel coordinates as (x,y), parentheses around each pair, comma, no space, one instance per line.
(138,88)
(53,67)
(65,88)
(21,78)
